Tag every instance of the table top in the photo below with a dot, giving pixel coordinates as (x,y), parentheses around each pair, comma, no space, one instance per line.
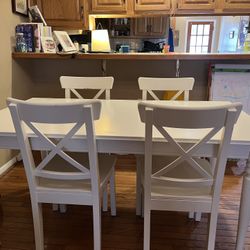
(119,123)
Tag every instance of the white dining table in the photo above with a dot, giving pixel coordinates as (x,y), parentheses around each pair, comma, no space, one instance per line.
(119,130)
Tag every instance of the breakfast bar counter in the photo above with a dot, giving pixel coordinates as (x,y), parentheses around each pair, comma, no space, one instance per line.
(37,74)
(133,56)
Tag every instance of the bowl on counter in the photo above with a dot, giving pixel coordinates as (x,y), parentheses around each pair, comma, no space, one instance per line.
(124,49)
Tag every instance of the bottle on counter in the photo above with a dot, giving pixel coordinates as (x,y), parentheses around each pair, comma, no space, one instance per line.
(165,48)
(247,43)
(21,45)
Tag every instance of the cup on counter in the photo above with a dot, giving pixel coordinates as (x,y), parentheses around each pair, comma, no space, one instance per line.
(124,49)
(84,48)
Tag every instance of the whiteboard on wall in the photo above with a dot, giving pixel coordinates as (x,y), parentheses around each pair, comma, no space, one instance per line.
(231,83)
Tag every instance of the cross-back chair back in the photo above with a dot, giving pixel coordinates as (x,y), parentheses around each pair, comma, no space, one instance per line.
(150,84)
(172,86)
(72,84)
(187,182)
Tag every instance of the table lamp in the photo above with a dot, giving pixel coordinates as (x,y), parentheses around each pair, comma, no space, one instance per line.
(100,41)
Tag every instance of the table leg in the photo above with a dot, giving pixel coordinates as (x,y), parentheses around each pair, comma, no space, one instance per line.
(244,214)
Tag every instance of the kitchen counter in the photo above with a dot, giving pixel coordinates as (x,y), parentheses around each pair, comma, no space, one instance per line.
(133,56)
(36,73)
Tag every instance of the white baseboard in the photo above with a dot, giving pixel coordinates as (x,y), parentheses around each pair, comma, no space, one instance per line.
(9,164)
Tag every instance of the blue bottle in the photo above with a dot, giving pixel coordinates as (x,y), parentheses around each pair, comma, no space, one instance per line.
(21,45)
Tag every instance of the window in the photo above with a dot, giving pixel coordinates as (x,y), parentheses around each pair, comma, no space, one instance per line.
(199,39)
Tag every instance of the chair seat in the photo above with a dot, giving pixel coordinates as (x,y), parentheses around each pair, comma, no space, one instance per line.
(106,163)
(161,190)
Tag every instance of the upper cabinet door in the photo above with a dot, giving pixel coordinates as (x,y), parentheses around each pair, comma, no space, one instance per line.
(142,26)
(63,13)
(196,4)
(236,4)
(159,26)
(151,26)
(109,6)
(152,5)
(62,9)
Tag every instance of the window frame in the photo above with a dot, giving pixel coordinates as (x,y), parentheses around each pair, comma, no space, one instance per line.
(190,23)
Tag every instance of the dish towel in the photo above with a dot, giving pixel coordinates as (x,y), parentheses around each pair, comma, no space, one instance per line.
(171,40)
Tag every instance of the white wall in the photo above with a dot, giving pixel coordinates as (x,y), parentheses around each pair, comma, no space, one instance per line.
(229,24)
(182,26)
(8,21)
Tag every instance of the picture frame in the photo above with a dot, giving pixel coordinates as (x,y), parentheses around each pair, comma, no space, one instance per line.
(48,44)
(64,40)
(36,15)
(20,7)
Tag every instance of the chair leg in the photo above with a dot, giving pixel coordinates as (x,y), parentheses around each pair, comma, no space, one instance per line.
(197,216)
(146,236)
(97,227)
(142,203)
(212,230)
(138,186)
(112,193)
(55,207)
(191,215)
(63,208)
(38,224)
(105,198)
(244,214)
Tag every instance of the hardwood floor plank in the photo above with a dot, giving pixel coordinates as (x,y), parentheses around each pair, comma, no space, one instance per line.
(73,229)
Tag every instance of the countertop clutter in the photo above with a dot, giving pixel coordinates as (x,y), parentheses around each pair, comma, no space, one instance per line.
(131,23)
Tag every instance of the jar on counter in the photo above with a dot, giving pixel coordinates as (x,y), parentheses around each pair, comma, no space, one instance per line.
(247,44)
(21,45)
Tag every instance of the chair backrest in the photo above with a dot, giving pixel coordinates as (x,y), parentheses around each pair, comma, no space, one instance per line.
(181,85)
(207,121)
(28,116)
(72,83)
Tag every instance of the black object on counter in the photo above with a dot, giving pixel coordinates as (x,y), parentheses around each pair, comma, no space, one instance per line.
(150,46)
(83,38)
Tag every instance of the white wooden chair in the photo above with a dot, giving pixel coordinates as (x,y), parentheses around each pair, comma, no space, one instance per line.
(187,182)
(73,83)
(59,178)
(181,85)
(244,213)
(148,85)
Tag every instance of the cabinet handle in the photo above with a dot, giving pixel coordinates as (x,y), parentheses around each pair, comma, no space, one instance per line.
(148,28)
(81,12)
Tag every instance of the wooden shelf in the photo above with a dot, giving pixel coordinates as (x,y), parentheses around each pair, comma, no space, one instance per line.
(133,56)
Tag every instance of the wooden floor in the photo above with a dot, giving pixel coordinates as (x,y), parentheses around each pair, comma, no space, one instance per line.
(73,230)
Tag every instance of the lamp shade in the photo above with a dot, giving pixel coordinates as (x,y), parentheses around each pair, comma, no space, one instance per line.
(100,41)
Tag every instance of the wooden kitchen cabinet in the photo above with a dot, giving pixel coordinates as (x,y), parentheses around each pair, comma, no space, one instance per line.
(110,6)
(233,5)
(212,6)
(151,26)
(64,14)
(152,5)
(196,4)
(129,7)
